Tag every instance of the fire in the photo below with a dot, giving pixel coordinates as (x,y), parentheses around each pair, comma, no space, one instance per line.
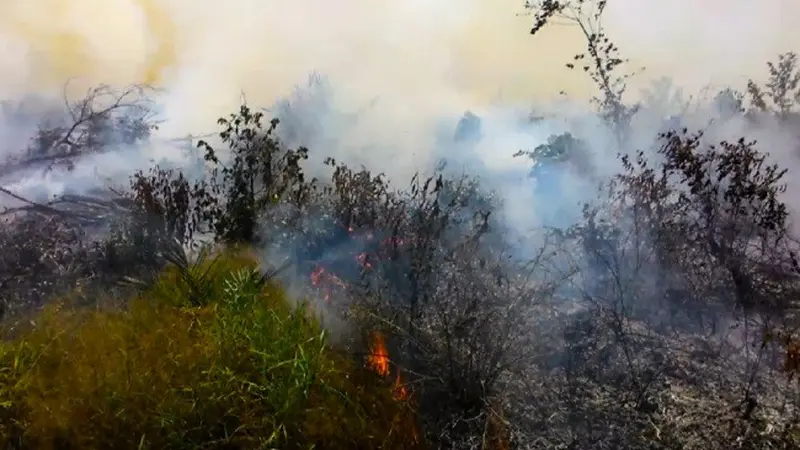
(316,275)
(400,388)
(378,359)
(326,282)
(363,260)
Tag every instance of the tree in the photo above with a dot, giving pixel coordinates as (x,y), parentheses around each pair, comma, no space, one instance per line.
(669,256)
(258,173)
(600,60)
(53,245)
(782,88)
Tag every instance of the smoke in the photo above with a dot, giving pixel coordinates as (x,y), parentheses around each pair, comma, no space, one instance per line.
(398,75)
(391,81)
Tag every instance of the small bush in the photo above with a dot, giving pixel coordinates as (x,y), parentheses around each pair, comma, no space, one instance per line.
(210,356)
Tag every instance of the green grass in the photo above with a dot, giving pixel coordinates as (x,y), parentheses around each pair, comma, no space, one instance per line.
(209,357)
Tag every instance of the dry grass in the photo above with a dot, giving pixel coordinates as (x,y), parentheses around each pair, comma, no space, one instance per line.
(208,357)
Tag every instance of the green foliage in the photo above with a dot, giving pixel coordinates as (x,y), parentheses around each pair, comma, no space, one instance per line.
(559,148)
(212,356)
(601,60)
(253,173)
(257,173)
(782,89)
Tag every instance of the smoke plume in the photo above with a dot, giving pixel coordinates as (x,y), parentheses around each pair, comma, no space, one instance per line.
(397,76)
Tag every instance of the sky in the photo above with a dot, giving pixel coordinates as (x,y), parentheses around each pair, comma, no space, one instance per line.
(207,52)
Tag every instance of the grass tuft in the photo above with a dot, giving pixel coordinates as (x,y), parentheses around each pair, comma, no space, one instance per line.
(211,356)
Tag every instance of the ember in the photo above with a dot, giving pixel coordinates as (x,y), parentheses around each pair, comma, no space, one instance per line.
(326,282)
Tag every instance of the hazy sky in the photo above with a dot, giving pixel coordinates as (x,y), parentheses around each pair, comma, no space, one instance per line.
(420,51)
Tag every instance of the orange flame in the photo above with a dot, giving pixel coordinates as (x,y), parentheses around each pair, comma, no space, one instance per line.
(378,358)
(400,388)
(378,361)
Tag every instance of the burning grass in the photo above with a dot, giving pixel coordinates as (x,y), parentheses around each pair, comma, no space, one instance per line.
(208,357)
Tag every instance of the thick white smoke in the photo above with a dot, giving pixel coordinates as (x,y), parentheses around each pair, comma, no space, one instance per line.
(400,73)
